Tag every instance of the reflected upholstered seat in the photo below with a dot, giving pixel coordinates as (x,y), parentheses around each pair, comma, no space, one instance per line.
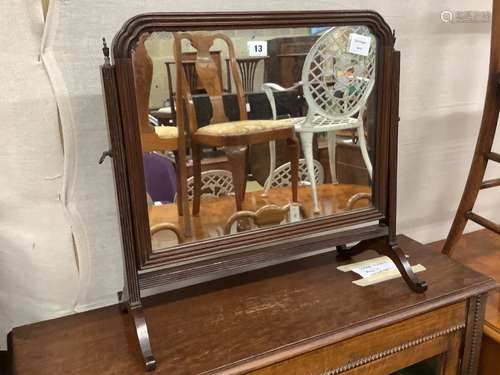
(237,128)
(167,132)
(233,137)
(160,138)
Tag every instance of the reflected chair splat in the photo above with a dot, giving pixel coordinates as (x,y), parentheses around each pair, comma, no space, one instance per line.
(155,138)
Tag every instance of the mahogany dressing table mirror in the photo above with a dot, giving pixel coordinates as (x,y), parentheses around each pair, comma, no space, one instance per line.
(247,176)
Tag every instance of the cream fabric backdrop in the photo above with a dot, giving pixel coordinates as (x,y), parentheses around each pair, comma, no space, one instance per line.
(443,78)
(38,268)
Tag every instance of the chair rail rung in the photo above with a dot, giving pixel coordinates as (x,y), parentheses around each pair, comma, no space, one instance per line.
(493,156)
(484,222)
(490,183)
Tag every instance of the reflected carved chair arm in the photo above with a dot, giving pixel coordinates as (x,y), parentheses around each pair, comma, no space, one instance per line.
(357,197)
(269,214)
(167,226)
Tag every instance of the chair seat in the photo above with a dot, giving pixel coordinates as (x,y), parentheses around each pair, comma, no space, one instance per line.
(166,132)
(323,124)
(244,127)
(162,138)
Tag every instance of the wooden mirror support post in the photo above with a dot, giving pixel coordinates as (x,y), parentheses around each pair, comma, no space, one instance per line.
(196,261)
(388,245)
(130,298)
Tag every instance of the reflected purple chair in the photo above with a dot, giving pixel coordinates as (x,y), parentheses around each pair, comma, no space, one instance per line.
(159,174)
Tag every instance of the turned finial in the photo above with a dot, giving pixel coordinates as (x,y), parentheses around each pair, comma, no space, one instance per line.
(105,51)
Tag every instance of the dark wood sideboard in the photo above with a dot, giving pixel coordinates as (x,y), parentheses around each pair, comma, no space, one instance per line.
(480,251)
(301,317)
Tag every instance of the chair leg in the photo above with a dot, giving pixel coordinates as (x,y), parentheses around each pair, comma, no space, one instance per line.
(272,167)
(196,150)
(293,151)
(364,150)
(237,159)
(332,144)
(178,184)
(307,147)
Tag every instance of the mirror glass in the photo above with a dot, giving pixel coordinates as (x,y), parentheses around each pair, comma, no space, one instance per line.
(280,127)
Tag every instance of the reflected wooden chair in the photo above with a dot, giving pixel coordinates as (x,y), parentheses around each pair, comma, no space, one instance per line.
(233,137)
(154,138)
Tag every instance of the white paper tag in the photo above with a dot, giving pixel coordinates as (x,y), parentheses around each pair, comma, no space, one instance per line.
(388,275)
(294,213)
(257,48)
(359,44)
(373,269)
(247,105)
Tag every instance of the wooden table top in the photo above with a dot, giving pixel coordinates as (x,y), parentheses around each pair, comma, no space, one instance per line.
(243,318)
(480,251)
(215,212)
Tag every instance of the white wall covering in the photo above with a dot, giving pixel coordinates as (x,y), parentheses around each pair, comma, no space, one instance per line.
(443,79)
(38,269)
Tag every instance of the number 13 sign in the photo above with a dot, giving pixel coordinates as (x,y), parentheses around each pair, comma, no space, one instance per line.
(257,48)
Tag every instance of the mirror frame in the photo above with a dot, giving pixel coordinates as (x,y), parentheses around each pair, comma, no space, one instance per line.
(373,228)
(252,248)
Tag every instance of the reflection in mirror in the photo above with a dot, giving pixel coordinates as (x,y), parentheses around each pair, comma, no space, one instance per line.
(279,127)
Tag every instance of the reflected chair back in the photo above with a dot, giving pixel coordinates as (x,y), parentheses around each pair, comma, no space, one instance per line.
(143,76)
(337,82)
(208,74)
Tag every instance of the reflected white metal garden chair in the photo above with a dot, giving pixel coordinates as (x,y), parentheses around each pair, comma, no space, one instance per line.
(282,175)
(215,183)
(337,79)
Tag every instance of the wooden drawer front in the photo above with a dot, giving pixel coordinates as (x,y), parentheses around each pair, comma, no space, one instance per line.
(410,341)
